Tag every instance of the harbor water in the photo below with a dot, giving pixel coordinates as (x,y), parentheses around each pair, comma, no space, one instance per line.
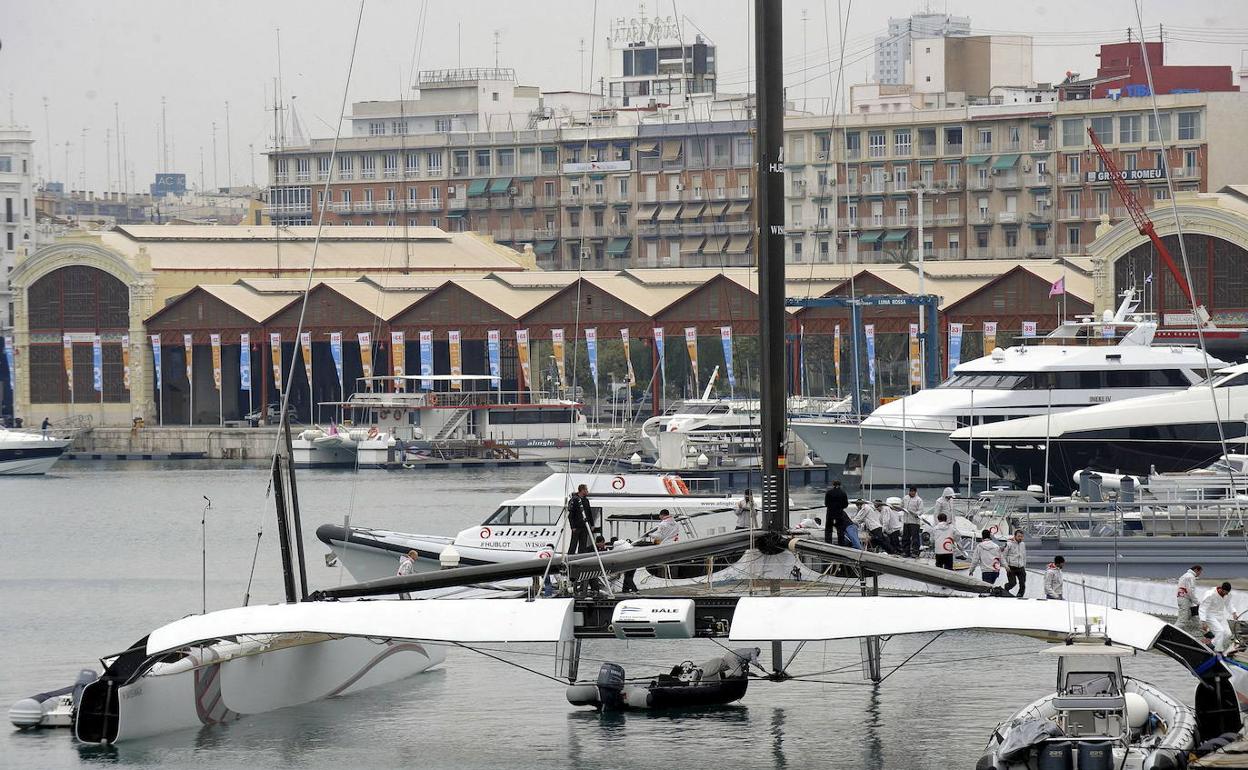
(95,555)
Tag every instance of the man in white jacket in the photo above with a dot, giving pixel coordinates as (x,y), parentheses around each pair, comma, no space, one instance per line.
(1187,603)
(1054,581)
(912,509)
(944,542)
(1216,615)
(987,556)
(1015,556)
(891,514)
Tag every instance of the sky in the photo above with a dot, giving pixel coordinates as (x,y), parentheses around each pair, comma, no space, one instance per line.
(96,64)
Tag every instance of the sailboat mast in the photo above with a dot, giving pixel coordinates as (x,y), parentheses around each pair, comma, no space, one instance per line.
(283,528)
(769,155)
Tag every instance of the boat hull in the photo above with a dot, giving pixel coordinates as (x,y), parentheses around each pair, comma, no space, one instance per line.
(930,458)
(33,458)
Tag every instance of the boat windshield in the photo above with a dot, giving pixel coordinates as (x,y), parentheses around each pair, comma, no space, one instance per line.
(1089,379)
(703,409)
(1231,380)
(529,514)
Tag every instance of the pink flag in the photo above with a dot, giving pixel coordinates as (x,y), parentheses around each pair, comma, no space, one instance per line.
(1058,287)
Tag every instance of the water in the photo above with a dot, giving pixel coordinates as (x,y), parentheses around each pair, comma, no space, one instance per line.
(98,554)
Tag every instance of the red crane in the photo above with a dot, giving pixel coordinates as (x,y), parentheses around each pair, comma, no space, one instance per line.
(1145,225)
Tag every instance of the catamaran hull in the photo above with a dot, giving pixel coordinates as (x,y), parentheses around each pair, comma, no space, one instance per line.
(930,458)
(229,689)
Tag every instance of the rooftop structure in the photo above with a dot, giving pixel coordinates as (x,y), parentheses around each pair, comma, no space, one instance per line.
(894,49)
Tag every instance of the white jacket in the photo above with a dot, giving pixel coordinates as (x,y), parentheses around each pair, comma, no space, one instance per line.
(944,538)
(871,518)
(1014,553)
(407,565)
(913,508)
(987,556)
(1187,585)
(892,519)
(1216,608)
(1053,582)
(944,505)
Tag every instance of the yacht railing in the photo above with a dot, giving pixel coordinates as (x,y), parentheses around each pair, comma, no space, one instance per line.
(1135,519)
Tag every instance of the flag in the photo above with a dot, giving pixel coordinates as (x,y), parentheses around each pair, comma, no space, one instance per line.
(125,361)
(725,337)
(67,354)
(1029,328)
(244,362)
(836,354)
(275,351)
(1148,278)
(215,341)
(870,333)
(493,347)
(628,358)
(457,361)
(1058,287)
(366,357)
(189,348)
(97,364)
(156,360)
(8,358)
(556,346)
(305,343)
(990,336)
(659,343)
(691,345)
(426,359)
(801,355)
(398,358)
(522,352)
(591,351)
(916,366)
(955,346)
(335,352)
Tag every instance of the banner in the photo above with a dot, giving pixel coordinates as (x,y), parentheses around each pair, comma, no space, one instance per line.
(591,351)
(398,359)
(522,352)
(97,365)
(870,331)
(366,357)
(836,354)
(215,341)
(426,359)
(801,356)
(275,351)
(67,354)
(493,345)
(916,365)
(335,352)
(156,361)
(691,345)
(457,360)
(725,336)
(955,346)
(8,358)
(628,358)
(990,336)
(188,347)
(125,361)
(244,362)
(1107,331)
(556,346)
(1058,287)
(1029,328)
(305,344)
(659,344)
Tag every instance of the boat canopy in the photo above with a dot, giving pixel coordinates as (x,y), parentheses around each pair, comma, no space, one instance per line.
(621,491)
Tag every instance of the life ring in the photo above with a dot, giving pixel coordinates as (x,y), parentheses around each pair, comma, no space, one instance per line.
(680,484)
(372,432)
(383,414)
(671,487)
(993,530)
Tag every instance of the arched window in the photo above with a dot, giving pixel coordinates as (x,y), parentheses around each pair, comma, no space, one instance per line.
(81,301)
(1219,272)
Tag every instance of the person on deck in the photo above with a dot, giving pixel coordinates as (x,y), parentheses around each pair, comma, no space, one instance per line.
(1187,604)
(581,519)
(407,565)
(836,501)
(873,523)
(668,531)
(1015,554)
(891,514)
(747,513)
(1216,616)
(912,509)
(944,504)
(987,556)
(1054,581)
(944,542)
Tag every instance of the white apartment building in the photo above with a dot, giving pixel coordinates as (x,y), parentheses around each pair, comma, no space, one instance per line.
(893,50)
(17,219)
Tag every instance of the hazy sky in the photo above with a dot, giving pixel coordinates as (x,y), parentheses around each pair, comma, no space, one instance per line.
(85,55)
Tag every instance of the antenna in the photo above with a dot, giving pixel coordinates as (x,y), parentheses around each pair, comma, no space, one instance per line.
(201,169)
(497,41)
(47,127)
(108,163)
(164,134)
(121,170)
(215,181)
(229,159)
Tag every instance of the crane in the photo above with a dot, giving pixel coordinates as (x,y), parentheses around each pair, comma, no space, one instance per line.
(1145,226)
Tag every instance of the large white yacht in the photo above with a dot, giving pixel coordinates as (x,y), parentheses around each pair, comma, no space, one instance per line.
(24,453)
(1081,363)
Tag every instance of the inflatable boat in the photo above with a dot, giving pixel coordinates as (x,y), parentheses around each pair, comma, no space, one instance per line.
(716,682)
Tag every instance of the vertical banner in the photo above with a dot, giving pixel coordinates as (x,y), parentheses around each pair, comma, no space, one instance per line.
(8,358)
(426,359)
(522,352)
(189,348)
(836,355)
(244,362)
(660,350)
(493,348)
(628,357)
(1029,328)
(870,333)
(556,346)
(305,344)
(67,355)
(457,360)
(215,341)
(398,359)
(97,365)
(335,352)
(1107,331)
(591,352)
(275,351)
(990,337)
(691,345)
(916,366)
(801,357)
(725,336)
(156,363)
(955,347)
(125,361)
(366,357)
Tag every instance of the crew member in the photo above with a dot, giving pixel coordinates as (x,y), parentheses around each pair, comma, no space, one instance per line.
(407,565)
(581,519)
(1015,554)
(1187,604)
(891,515)
(668,531)
(987,556)
(1216,616)
(836,501)
(1053,579)
(912,509)
(873,522)
(747,513)
(944,541)
(944,504)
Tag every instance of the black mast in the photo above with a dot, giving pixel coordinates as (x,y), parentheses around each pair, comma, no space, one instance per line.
(769,153)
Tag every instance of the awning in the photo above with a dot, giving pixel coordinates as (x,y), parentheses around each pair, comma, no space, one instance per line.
(622,204)
(739,244)
(692,245)
(646,212)
(645,147)
(896,236)
(477,187)
(672,149)
(899,196)
(978,160)
(715,244)
(545,247)
(669,212)
(500,185)
(618,247)
(738,207)
(597,176)
(455,214)
(1038,225)
(717,209)
(693,211)
(1005,161)
(1041,123)
(870,236)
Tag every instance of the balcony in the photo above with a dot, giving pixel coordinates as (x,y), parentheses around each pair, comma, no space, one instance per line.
(386,207)
(795,191)
(953,148)
(948,220)
(546,233)
(522,234)
(456,204)
(1071,250)
(741,193)
(1007,217)
(794,227)
(1069,214)
(1011,146)
(853,153)
(927,149)
(845,223)
(980,252)
(1070,179)
(1038,180)
(980,183)
(322,176)
(848,188)
(982,148)
(434,172)
(898,221)
(981,217)
(458,171)
(1007,181)
(669,196)
(570,199)
(425,204)
(343,207)
(390,173)
(547,201)
(523,201)
(1041,145)
(948,185)
(647,229)
(368,174)
(363,207)
(288,208)
(501,202)
(1185,172)
(822,226)
(941,254)
(875,186)
(346,175)
(479,203)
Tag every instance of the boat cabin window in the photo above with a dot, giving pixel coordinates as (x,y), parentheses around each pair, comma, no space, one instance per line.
(1092,379)
(1231,380)
(530,416)
(1091,683)
(525,514)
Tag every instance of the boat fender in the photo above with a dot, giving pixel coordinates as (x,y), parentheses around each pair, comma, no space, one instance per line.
(1137,710)
(584,695)
(638,697)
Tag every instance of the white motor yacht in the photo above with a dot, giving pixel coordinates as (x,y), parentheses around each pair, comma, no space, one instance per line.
(23,453)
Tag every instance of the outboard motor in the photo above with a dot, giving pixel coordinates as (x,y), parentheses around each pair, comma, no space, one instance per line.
(606,694)
(1096,755)
(36,710)
(1055,755)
